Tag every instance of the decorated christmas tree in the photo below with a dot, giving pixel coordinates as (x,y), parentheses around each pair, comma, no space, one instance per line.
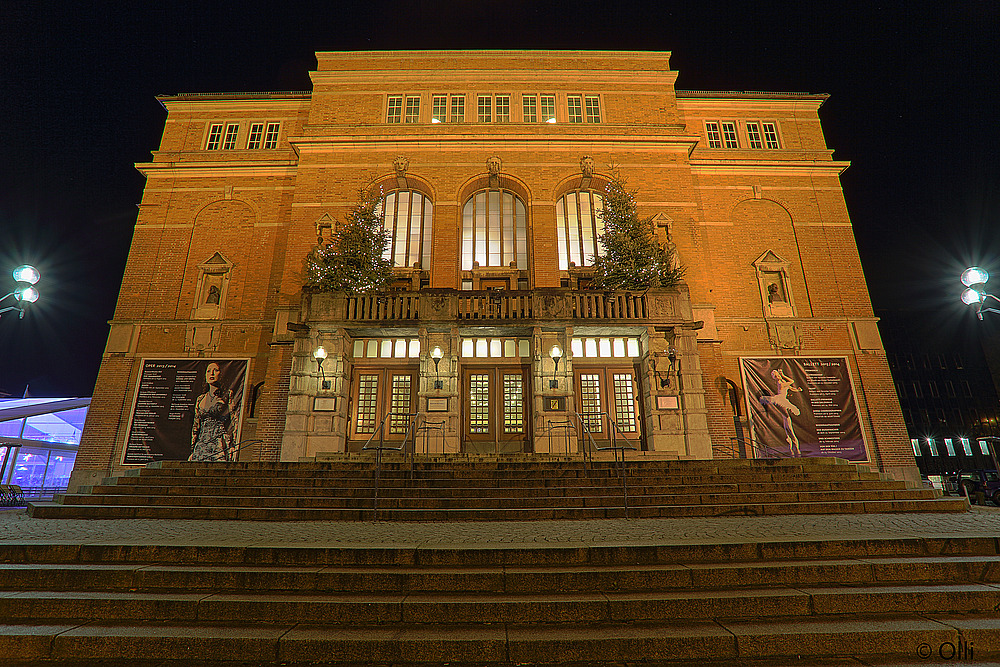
(633,258)
(353,259)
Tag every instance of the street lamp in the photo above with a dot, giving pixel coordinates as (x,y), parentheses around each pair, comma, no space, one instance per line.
(974,278)
(320,356)
(24,291)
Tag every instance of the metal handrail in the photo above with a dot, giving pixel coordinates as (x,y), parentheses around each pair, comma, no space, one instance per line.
(622,467)
(760,450)
(235,452)
(552,424)
(381,446)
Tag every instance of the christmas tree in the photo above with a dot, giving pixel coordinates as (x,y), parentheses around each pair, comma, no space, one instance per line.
(633,259)
(353,260)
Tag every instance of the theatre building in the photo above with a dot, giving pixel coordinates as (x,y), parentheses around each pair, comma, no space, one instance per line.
(492,168)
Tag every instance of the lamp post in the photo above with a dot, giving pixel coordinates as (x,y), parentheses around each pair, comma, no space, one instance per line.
(556,354)
(24,291)
(974,278)
(436,355)
(320,356)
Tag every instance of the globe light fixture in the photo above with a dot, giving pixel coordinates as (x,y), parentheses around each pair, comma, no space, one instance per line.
(975,279)
(556,354)
(24,292)
(436,355)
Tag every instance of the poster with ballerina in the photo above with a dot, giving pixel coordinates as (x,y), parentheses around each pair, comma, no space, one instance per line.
(802,406)
(186,410)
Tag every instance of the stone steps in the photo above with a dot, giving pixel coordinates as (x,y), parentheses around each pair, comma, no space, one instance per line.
(862,601)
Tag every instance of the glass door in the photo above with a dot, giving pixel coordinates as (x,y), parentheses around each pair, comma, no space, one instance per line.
(607,397)
(495,410)
(375,394)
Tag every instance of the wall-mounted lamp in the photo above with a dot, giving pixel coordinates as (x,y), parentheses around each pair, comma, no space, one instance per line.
(436,355)
(672,356)
(556,354)
(24,292)
(320,356)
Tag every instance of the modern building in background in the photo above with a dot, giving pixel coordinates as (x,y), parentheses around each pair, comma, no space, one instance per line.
(946,391)
(39,438)
(493,166)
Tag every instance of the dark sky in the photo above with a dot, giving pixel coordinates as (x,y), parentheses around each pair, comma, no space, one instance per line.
(913,106)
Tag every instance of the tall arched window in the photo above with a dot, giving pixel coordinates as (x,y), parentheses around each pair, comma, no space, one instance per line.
(494,230)
(578,224)
(408,215)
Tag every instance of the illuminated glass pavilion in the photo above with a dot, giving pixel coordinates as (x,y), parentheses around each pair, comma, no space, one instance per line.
(39,438)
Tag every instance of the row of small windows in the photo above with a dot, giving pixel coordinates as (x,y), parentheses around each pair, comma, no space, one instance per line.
(910,361)
(916,389)
(494,109)
(225,136)
(756,134)
(494,229)
(949,446)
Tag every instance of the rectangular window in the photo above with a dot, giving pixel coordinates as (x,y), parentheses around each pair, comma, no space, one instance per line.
(916,446)
(232,131)
(503,108)
(590,401)
(485,109)
(530,108)
(412,110)
(575,107)
(593,109)
(395,113)
(714,135)
(984,447)
(214,137)
(399,403)
(439,109)
(949,446)
(966,446)
(753,134)
(932,446)
(934,388)
(548,104)
(367,400)
(271,135)
(458,108)
(255,136)
(916,390)
(771,136)
(729,135)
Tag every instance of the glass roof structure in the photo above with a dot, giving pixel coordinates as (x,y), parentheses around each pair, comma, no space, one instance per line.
(38,442)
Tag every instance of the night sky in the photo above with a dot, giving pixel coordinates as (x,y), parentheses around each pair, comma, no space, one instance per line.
(913,90)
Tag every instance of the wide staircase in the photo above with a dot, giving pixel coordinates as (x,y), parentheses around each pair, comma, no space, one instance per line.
(837,602)
(457,488)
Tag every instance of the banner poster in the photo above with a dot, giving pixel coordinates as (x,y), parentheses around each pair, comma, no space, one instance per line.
(186,410)
(803,406)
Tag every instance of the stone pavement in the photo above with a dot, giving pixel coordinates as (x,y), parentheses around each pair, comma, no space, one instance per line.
(16,527)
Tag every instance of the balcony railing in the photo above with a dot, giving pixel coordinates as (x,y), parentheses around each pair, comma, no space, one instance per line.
(443,305)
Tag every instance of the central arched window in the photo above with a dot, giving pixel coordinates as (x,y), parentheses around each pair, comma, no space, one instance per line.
(407,216)
(578,224)
(494,230)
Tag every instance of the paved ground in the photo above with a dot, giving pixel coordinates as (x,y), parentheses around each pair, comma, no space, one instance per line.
(17,527)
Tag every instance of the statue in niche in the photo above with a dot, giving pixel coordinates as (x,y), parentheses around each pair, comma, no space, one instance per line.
(213,295)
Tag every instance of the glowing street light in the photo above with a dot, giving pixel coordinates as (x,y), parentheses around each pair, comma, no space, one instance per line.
(974,278)
(24,292)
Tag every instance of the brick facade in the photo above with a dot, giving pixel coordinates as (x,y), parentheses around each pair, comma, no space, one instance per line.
(247,216)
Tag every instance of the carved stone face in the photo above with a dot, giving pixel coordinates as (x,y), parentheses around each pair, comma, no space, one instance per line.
(493,165)
(401,164)
(587,166)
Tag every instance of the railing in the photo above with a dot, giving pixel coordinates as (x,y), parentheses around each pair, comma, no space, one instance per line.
(388,306)
(381,446)
(553,424)
(758,450)
(233,454)
(494,305)
(608,305)
(427,429)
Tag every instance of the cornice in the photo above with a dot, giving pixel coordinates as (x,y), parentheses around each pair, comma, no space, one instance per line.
(207,169)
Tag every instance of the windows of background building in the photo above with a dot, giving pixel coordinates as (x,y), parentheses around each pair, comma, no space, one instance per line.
(458,108)
(255,136)
(578,225)
(439,109)
(754,136)
(984,447)
(503,108)
(412,110)
(494,230)
(547,104)
(934,388)
(966,389)
(771,136)
(484,109)
(917,393)
(932,446)
(214,138)
(722,134)
(232,131)
(729,137)
(529,109)
(395,109)
(271,135)
(593,105)
(407,216)
(949,446)
(966,446)
(916,446)
(949,388)
(574,105)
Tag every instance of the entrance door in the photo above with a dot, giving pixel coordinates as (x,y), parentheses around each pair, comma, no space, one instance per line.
(376,393)
(495,410)
(605,395)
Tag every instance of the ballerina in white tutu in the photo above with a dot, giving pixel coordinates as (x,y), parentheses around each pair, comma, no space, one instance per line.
(781,401)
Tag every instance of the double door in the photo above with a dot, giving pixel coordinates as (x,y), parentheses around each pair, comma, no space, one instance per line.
(608,404)
(382,402)
(495,404)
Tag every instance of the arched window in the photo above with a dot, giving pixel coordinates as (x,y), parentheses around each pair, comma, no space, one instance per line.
(494,230)
(408,215)
(578,224)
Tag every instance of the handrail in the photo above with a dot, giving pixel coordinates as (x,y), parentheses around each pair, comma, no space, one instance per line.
(623,468)
(382,446)
(232,455)
(760,450)
(552,424)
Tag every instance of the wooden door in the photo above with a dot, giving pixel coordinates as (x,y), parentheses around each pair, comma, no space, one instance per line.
(495,409)
(606,395)
(376,393)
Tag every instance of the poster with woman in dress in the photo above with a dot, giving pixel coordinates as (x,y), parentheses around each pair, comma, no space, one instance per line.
(803,406)
(186,409)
